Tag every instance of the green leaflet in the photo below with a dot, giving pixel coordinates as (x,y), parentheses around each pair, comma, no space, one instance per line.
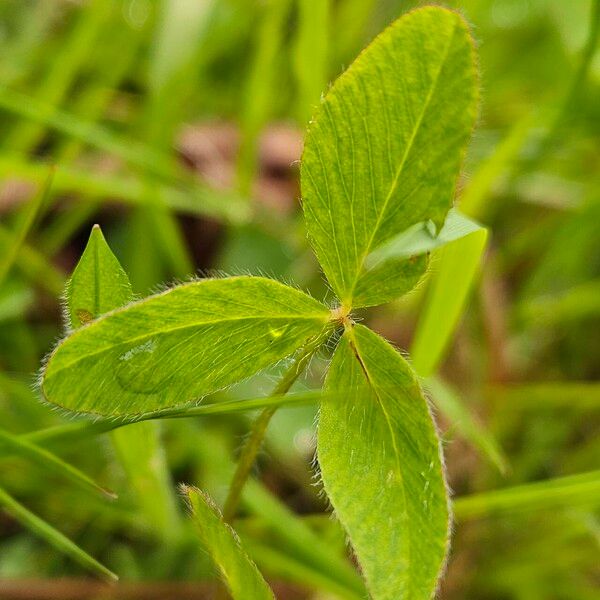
(98,284)
(381,467)
(179,345)
(243,579)
(385,148)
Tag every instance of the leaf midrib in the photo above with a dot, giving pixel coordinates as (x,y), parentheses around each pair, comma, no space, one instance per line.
(400,168)
(355,350)
(96,311)
(140,338)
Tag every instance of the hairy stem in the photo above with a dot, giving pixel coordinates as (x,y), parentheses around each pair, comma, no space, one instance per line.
(259,427)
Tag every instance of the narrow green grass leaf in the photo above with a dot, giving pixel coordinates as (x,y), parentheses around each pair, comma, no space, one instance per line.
(240,574)
(457,265)
(311,53)
(455,272)
(421,238)
(73,432)
(33,264)
(201,200)
(385,147)
(447,400)
(52,536)
(98,284)
(547,395)
(381,467)
(300,539)
(260,89)
(28,219)
(16,298)
(562,492)
(574,304)
(96,136)
(283,567)
(179,345)
(67,61)
(22,447)
(142,455)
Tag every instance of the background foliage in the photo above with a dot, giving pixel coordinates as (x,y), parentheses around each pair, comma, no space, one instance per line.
(177,126)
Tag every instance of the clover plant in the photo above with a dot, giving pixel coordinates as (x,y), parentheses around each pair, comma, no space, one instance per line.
(378,176)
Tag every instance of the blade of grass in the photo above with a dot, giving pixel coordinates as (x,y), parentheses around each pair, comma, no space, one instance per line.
(474,200)
(447,294)
(283,566)
(202,200)
(45,459)
(20,54)
(239,573)
(450,284)
(300,539)
(72,432)
(447,400)
(132,152)
(260,88)
(31,211)
(548,395)
(123,47)
(311,54)
(52,536)
(70,56)
(552,494)
(34,265)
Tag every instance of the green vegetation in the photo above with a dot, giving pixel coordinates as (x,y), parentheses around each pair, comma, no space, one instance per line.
(150,169)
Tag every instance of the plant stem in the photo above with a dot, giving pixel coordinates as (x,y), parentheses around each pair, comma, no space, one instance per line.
(259,428)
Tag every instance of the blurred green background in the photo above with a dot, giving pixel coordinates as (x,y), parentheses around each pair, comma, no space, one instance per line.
(177,126)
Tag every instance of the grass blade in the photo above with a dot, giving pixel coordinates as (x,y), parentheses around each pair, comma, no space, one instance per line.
(72,432)
(28,219)
(455,271)
(289,569)
(300,539)
(239,573)
(21,446)
(552,494)
(201,200)
(311,54)
(259,90)
(446,399)
(52,536)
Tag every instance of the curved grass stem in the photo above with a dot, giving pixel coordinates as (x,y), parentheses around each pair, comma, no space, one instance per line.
(259,427)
